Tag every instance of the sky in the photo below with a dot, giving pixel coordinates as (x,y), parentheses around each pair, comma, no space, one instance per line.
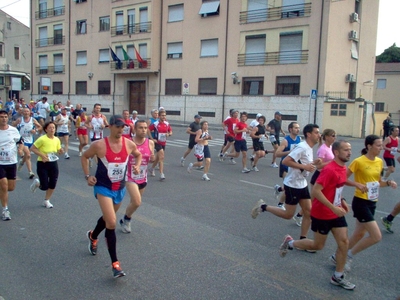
(388,21)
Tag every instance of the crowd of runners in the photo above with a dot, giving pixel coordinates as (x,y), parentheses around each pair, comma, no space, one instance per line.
(136,147)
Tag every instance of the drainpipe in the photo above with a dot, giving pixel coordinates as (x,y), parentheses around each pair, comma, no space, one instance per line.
(225,61)
(69,48)
(160,51)
(319,60)
(32,47)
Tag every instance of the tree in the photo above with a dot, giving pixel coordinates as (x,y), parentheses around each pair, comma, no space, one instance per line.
(390,55)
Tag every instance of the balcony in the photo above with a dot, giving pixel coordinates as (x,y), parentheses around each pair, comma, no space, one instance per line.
(131,65)
(58,40)
(273,58)
(275,13)
(341,96)
(51,12)
(60,69)
(131,29)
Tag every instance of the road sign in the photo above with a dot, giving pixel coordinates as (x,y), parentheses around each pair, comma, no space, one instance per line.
(185,88)
(313,94)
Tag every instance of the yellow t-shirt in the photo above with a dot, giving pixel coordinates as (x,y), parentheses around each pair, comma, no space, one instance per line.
(366,171)
(47,145)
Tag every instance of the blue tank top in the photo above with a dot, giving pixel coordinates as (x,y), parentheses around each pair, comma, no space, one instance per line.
(291,144)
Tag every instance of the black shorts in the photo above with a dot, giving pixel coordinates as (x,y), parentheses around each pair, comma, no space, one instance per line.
(324,226)
(142,185)
(61,134)
(207,153)
(282,169)
(159,147)
(258,146)
(95,139)
(390,162)
(8,171)
(191,144)
(363,210)
(293,196)
(240,145)
(314,177)
(230,139)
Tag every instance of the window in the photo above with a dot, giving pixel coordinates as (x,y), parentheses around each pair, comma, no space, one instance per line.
(43,65)
(354,49)
(42,9)
(81,87)
(174,50)
(43,37)
(58,8)
(16,53)
(357,7)
(175,13)
(143,50)
(104,56)
(131,21)
(58,34)
(143,19)
(9,25)
(338,109)
(292,8)
(1,80)
(130,50)
(104,23)
(119,52)
(290,45)
(119,16)
(81,27)
(58,63)
(173,86)
(104,87)
(352,90)
(288,85)
(57,87)
(1,50)
(257,10)
(380,106)
(81,58)
(381,84)
(80,1)
(255,50)
(209,48)
(209,8)
(253,86)
(207,86)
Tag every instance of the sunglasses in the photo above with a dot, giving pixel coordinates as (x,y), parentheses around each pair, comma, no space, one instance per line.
(333,135)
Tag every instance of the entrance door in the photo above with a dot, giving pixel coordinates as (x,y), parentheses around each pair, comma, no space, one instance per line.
(137,96)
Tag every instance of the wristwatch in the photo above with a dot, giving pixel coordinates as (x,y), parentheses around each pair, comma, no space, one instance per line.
(87,177)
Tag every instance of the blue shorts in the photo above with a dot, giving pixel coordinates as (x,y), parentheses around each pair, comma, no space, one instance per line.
(115,196)
(29,145)
(240,145)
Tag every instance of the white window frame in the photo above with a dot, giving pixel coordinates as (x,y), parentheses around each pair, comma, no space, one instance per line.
(175,13)
(209,48)
(381,84)
(81,58)
(290,47)
(104,56)
(174,50)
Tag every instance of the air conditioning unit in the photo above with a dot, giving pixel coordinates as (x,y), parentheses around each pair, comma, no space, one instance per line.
(7,67)
(350,78)
(353,35)
(354,17)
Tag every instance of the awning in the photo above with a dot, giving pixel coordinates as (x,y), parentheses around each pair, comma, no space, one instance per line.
(15,73)
(209,7)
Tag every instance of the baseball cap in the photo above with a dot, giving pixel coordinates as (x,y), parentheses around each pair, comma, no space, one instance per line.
(258,115)
(161,108)
(197,117)
(134,112)
(117,120)
(278,113)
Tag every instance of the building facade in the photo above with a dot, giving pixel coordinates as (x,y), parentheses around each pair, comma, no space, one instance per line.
(15,58)
(207,57)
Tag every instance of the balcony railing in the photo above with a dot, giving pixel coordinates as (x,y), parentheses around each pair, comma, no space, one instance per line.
(60,69)
(341,96)
(275,13)
(58,40)
(273,58)
(51,12)
(132,64)
(131,29)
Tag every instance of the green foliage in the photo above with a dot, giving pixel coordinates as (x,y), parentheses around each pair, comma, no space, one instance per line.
(390,55)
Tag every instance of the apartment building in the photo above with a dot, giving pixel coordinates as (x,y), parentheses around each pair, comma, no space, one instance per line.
(308,60)
(15,58)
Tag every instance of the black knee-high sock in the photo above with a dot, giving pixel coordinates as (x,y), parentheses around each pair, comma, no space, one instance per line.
(101,224)
(111,240)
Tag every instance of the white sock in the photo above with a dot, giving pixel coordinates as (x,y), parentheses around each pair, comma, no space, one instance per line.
(291,243)
(349,254)
(338,274)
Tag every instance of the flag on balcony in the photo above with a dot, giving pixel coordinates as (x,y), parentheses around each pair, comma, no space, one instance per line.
(142,62)
(115,58)
(130,64)
(126,56)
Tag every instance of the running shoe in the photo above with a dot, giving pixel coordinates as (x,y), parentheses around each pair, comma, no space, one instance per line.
(347,266)
(221,157)
(47,204)
(190,167)
(126,225)
(277,192)
(255,169)
(182,162)
(274,165)
(200,168)
(151,171)
(281,206)
(245,170)
(162,176)
(5,215)
(298,220)
(341,281)
(224,156)
(252,157)
(387,224)
(31,175)
(232,161)
(117,271)
(35,184)
(80,153)
(205,177)
(285,245)
(92,243)
(66,156)
(257,209)
(20,163)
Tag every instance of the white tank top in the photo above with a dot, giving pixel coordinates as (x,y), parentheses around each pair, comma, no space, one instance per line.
(63,128)
(25,129)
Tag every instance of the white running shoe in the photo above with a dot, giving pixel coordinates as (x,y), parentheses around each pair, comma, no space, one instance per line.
(274,165)
(66,156)
(162,176)
(255,169)
(190,167)
(298,220)
(182,162)
(20,164)
(47,204)
(232,161)
(80,153)
(285,245)
(276,188)
(151,171)
(126,225)
(257,209)
(5,215)
(31,175)
(245,170)
(205,177)
(282,206)
(35,184)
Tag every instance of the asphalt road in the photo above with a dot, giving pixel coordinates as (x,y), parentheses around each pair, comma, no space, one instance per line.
(191,239)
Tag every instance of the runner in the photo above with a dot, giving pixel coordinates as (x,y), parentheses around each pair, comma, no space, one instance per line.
(388,220)
(129,129)
(109,184)
(9,139)
(258,136)
(42,108)
(192,131)
(81,130)
(390,145)
(63,123)
(136,183)
(275,128)
(230,125)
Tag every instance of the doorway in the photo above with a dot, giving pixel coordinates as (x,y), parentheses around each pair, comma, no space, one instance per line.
(137,96)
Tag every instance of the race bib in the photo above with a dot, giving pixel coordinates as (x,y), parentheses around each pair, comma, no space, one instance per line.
(261,139)
(126,130)
(5,154)
(243,135)
(373,190)
(272,138)
(142,173)
(116,172)
(52,156)
(64,127)
(393,150)
(199,151)
(162,137)
(338,197)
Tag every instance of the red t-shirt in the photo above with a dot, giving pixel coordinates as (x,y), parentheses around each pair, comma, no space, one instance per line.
(160,130)
(394,143)
(231,124)
(332,177)
(241,135)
